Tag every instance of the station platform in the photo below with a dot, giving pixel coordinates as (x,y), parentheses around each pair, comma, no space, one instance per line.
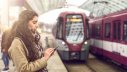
(55,64)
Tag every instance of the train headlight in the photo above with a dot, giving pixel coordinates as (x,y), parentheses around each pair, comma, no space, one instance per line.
(85,42)
(63,43)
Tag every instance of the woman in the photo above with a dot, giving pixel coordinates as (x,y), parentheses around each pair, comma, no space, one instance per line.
(25,51)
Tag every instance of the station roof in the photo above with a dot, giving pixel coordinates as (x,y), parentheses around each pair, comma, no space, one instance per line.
(103,7)
(95,7)
(42,6)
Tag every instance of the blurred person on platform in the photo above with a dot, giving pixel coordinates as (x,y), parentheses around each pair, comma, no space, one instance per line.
(4,49)
(7,37)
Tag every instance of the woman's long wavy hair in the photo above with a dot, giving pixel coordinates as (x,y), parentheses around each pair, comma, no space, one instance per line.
(24,33)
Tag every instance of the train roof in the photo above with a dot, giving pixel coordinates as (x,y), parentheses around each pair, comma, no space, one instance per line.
(116,14)
(50,17)
(104,7)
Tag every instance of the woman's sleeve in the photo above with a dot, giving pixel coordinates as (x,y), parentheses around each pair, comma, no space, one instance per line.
(18,56)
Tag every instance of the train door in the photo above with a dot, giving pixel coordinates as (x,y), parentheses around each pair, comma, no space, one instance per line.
(92,35)
(107,42)
(116,40)
(97,37)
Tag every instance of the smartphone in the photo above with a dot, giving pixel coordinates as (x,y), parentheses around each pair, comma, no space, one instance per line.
(55,48)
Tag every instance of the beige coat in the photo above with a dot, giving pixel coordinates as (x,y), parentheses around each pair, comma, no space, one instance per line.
(18,53)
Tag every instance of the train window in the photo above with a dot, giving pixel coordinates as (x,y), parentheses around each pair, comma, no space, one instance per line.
(92,31)
(114,29)
(74,28)
(107,30)
(97,31)
(59,28)
(87,27)
(125,31)
(119,30)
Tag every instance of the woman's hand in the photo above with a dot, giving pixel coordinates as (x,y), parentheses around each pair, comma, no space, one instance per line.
(48,52)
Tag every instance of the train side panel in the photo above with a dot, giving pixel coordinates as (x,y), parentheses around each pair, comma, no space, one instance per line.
(112,43)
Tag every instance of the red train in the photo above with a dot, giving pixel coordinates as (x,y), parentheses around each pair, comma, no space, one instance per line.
(72,35)
(109,36)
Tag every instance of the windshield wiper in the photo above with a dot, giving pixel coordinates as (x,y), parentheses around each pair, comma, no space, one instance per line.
(78,35)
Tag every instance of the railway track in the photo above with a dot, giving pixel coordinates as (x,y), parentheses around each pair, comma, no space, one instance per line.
(74,66)
(93,65)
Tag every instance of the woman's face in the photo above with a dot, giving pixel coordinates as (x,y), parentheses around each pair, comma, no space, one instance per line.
(33,25)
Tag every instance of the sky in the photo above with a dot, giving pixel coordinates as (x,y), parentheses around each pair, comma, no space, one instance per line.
(75,2)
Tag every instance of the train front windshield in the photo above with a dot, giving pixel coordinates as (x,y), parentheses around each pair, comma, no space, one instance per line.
(74,28)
